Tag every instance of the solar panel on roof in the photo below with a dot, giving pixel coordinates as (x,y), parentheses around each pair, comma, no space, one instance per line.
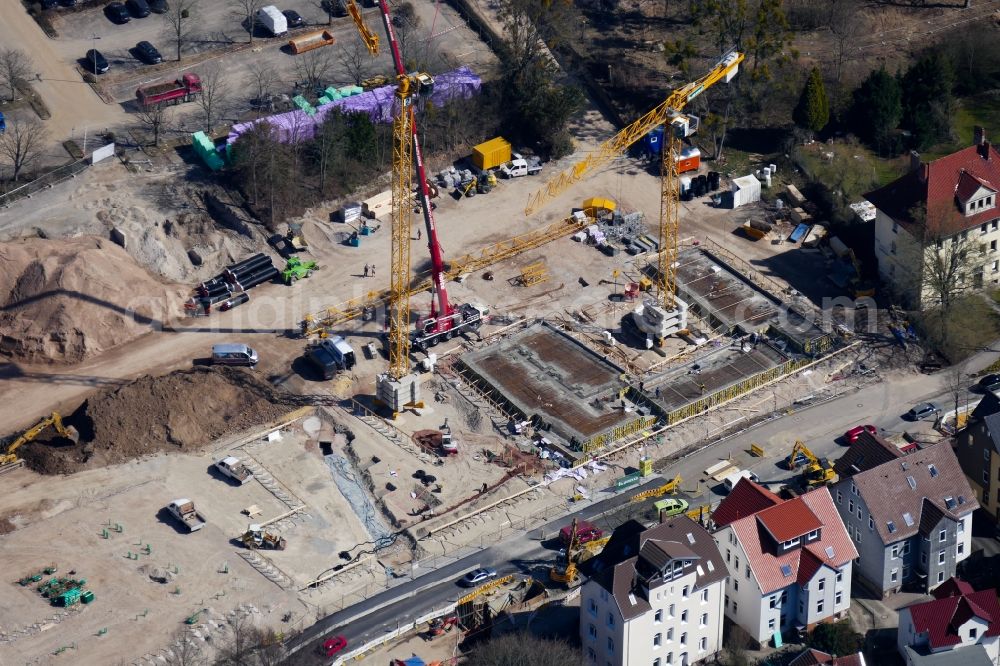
(786,570)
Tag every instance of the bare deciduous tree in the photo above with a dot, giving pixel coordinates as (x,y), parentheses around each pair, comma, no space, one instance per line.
(261,79)
(179,20)
(314,68)
(356,61)
(846,24)
(331,8)
(246,12)
(238,648)
(214,95)
(23,143)
(15,65)
(526,649)
(185,651)
(153,118)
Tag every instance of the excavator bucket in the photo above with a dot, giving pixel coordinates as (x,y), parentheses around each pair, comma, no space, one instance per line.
(72,434)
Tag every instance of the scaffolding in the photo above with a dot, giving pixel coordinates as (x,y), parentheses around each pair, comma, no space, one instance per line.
(534,274)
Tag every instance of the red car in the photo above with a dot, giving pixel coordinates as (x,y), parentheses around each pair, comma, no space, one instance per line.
(333,645)
(852,435)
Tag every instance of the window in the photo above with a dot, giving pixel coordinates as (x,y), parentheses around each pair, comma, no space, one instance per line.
(684,638)
(736,562)
(906,548)
(770,624)
(859,513)
(854,490)
(728,555)
(784,597)
(748,572)
(894,576)
(819,606)
(790,543)
(734,607)
(656,662)
(670,634)
(726,601)
(850,506)
(941,557)
(892,247)
(704,596)
(684,616)
(961,548)
(736,585)
(943,535)
(773,601)
(993,246)
(658,616)
(822,584)
(703,644)
(593,608)
(923,558)
(703,622)
(611,620)
(972,632)
(840,576)
(871,523)
(983,229)
(670,658)
(906,572)
(591,654)
(670,611)
(996,265)
(840,497)
(838,599)
(592,631)
(895,228)
(611,644)
(812,535)
(940,576)
(894,551)
(684,592)
(657,640)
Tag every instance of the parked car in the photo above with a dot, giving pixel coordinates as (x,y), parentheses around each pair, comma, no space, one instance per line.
(477,576)
(922,411)
(670,507)
(148,53)
(990,382)
(48,4)
(117,13)
(294,19)
(852,435)
(333,645)
(159,6)
(138,8)
(3,124)
(96,62)
(67,3)
(584,532)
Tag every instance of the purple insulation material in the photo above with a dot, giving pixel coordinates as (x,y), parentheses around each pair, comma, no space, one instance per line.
(379,104)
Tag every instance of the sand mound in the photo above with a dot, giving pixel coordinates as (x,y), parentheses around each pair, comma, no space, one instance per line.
(69,299)
(182,411)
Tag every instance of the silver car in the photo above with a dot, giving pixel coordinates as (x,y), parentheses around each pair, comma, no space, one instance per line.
(477,576)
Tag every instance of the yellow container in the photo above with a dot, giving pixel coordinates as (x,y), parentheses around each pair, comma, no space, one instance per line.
(491,154)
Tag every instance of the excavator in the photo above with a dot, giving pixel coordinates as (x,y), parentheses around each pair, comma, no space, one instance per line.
(818,471)
(9,459)
(256,538)
(565,570)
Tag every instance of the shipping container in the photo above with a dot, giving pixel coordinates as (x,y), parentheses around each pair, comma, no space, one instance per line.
(689,160)
(491,154)
(746,190)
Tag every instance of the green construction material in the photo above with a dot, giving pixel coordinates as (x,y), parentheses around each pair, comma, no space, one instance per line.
(88,597)
(102,631)
(323,99)
(68,598)
(205,148)
(304,104)
(118,528)
(350,91)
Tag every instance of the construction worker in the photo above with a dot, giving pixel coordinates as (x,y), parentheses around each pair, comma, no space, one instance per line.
(373,270)
(418,233)
(366,270)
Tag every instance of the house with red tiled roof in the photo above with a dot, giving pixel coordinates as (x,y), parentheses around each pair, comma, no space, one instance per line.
(789,561)
(943,206)
(811,657)
(958,625)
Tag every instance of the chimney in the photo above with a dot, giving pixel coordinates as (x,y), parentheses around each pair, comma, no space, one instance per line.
(914,160)
(984,150)
(978,136)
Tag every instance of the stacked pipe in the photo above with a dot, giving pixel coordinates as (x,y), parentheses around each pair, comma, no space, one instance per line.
(239,277)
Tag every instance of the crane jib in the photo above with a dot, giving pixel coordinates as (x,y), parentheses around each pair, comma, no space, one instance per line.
(694,93)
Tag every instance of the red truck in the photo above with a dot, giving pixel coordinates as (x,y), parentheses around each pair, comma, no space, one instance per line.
(182,90)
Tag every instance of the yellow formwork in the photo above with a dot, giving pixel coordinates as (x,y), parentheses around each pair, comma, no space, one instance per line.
(534,274)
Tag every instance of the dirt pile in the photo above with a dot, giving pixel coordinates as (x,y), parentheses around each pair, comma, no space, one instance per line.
(182,411)
(69,299)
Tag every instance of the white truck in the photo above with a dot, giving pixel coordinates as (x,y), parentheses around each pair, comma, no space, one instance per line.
(184,511)
(234,469)
(734,477)
(271,18)
(520,166)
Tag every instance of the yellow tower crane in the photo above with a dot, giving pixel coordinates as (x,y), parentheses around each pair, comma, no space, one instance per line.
(668,113)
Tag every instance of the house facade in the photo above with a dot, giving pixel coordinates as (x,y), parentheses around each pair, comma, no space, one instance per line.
(940,210)
(978,451)
(910,518)
(789,562)
(656,599)
(959,623)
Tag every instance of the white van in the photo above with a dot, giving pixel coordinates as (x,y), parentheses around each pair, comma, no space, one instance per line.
(732,479)
(233,354)
(271,18)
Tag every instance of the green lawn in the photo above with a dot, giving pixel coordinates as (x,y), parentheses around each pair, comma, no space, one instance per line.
(983,110)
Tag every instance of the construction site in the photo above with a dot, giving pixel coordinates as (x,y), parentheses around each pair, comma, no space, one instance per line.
(426,379)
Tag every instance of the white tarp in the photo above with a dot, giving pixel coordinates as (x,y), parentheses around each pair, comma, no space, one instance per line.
(746,190)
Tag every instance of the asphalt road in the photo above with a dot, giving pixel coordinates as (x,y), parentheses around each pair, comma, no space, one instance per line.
(820,426)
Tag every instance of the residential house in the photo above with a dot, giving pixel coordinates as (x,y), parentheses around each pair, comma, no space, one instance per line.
(656,597)
(789,561)
(978,451)
(813,657)
(959,623)
(910,516)
(940,207)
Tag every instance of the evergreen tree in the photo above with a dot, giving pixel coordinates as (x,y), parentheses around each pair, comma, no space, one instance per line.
(813,109)
(927,99)
(877,108)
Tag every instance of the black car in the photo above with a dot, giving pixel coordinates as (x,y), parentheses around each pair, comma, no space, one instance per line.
(990,382)
(48,4)
(148,53)
(117,13)
(294,19)
(159,6)
(138,8)
(96,62)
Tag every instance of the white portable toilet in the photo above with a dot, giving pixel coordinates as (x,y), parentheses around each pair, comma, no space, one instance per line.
(685,184)
(774,168)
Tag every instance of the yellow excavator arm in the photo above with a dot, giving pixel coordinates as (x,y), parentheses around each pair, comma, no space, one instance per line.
(34,431)
(724,70)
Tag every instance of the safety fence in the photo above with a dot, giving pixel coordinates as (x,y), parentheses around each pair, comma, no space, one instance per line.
(44,182)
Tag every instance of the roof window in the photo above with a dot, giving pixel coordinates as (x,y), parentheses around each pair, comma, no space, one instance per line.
(908,519)
(786,570)
(891,526)
(933,470)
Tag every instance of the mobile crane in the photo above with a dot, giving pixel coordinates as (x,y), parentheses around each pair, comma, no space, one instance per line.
(9,459)
(817,472)
(669,314)
(445,319)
